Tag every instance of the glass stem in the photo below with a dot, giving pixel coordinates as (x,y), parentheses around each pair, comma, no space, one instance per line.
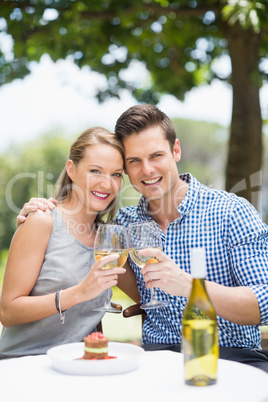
(108,297)
(153,297)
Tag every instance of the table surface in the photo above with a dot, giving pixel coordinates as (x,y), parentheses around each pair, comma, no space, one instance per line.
(159,377)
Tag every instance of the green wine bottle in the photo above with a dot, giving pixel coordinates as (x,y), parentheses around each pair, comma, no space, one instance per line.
(199,328)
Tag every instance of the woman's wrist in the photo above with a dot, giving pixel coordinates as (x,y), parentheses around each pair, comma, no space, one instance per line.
(58,306)
(70,297)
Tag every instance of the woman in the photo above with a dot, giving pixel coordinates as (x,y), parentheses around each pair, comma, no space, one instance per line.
(51,265)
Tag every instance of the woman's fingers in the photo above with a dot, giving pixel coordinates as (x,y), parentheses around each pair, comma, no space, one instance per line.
(100,279)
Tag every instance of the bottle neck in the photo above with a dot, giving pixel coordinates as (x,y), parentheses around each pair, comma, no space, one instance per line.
(200,298)
(198,285)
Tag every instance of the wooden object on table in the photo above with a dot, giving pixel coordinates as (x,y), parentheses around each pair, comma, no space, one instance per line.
(136,310)
(133,310)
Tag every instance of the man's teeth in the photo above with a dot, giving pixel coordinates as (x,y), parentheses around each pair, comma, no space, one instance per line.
(99,194)
(151,181)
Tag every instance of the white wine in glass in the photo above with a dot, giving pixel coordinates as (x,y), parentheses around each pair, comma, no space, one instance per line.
(120,262)
(142,260)
(141,236)
(111,239)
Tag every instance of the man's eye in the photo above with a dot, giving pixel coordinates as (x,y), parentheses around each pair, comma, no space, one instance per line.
(156,155)
(133,160)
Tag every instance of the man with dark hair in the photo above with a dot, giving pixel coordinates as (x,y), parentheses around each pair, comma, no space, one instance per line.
(189,214)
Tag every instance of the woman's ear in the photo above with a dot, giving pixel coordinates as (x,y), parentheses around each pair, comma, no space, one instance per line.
(177,150)
(70,169)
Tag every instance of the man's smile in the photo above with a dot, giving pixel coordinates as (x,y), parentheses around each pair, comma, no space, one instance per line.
(150,182)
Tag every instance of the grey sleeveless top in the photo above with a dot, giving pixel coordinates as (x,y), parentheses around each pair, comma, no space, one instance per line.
(66,263)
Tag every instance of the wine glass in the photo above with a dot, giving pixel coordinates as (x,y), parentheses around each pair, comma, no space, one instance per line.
(111,239)
(141,236)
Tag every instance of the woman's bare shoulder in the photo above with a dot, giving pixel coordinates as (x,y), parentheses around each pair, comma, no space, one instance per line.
(39,221)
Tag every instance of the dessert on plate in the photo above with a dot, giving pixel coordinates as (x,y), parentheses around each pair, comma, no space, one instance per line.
(96,346)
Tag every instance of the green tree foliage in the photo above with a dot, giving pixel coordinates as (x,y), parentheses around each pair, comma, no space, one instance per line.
(177,40)
(203,148)
(28,171)
(180,37)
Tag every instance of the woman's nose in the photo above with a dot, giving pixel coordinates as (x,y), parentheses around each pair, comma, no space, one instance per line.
(106,183)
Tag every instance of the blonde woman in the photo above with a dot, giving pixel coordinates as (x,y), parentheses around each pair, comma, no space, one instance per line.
(51,264)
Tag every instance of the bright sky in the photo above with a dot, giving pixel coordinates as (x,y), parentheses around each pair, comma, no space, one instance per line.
(60,95)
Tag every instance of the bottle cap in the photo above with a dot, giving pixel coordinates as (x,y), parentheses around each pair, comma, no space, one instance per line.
(198,262)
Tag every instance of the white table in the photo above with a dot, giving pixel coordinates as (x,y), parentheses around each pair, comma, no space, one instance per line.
(160,375)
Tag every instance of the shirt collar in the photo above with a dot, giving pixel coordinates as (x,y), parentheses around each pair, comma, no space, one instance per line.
(184,207)
(189,200)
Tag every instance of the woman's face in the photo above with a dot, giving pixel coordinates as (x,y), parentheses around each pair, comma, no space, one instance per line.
(97,177)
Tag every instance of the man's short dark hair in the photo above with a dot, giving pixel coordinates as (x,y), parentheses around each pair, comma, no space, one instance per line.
(140,117)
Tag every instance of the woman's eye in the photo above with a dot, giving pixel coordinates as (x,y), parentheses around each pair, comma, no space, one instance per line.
(117,174)
(94,171)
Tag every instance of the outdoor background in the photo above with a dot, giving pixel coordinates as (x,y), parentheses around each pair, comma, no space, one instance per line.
(53,74)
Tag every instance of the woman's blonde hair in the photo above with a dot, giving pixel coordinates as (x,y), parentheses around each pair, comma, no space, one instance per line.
(92,136)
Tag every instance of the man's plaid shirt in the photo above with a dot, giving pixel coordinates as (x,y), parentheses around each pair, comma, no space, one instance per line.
(236,243)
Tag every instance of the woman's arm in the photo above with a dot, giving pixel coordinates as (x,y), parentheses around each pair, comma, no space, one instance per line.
(26,255)
(24,263)
(127,283)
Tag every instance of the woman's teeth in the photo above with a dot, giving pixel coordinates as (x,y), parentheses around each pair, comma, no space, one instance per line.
(100,194)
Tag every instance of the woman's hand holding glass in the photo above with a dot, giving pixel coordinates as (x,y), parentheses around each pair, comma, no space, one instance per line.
(100,279)
(111,240)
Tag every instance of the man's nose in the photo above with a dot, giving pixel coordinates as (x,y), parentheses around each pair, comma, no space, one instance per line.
(147,167)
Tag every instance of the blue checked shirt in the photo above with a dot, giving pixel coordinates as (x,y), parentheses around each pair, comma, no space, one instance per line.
(236,243)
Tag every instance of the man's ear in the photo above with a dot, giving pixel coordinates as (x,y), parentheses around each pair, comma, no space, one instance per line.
(177,150)
(70,169)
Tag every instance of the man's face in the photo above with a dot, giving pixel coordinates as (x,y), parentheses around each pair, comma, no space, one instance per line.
(150,164)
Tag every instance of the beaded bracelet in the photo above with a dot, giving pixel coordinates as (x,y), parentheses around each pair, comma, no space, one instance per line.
(58,306)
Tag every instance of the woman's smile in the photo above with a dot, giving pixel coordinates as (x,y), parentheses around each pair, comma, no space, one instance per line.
(100,195)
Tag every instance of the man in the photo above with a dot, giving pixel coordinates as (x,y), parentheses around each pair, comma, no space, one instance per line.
(189,215)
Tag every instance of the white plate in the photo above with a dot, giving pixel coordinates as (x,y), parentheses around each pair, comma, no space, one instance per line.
(64,359)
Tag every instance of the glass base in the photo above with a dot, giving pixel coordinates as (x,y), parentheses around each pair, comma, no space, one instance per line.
(108,309)
(201,380)
(154,304)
